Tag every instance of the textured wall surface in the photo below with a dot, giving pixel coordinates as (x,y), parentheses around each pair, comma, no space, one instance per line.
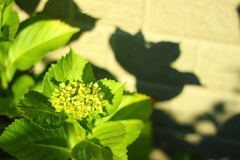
(183,53)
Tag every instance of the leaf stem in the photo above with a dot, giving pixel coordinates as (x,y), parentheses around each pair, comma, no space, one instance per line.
(72,136)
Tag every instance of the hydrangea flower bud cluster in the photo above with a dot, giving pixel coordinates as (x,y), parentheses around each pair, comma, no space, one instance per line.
(78,98)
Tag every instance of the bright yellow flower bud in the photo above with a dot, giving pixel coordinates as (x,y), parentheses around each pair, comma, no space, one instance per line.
(78,98)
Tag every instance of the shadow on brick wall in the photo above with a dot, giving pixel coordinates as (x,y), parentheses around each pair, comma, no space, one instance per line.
(150,63)
(102,73)
(28,6)
(170,136)
(238,11)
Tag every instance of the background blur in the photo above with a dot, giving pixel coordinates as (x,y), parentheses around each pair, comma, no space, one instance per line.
(185,54)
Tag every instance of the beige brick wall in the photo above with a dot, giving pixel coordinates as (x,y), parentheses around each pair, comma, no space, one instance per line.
(202,20)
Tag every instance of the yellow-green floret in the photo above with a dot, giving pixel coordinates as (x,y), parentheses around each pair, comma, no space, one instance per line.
(78,98)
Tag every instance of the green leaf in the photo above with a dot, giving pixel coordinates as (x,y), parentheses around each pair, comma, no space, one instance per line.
(73,67)
(27,141)
(4,47)
(34,41)
(10,28)
(133,129)
(6,73)
(21,86)
(133,106)
(3,1)
(10,72)
(8,107)
(143,143)
(106,143)
(6,9)
(86,123)
(113,95)
(36,107)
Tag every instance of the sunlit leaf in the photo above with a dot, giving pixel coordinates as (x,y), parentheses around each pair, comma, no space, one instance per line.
(73,67)
(4,47)
(113,94)
(27,141)
(36,107)
(7,73)
(3,1)
(133,129)
(133,106)
(106,143)
(10,28)
(34,41)
(6,9)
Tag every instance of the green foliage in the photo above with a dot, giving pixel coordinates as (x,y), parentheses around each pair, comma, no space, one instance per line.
(142,143)
(27,141)
(113,94)
(67,68)
(75,116)
(133,106)
(106,143)
(10,28)
(32,42)
(36,107)
(3,1)
(106,138)
(9,21)
(133,129)
(21,86)
(8,107)
(39,38)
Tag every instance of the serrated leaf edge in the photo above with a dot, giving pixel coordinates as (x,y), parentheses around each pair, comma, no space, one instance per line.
(139,131)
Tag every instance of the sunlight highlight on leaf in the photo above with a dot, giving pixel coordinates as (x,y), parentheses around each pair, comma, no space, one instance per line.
(73,67)
(37,39)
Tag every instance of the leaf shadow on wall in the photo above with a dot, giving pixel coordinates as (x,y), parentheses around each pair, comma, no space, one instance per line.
(238,12)
(170,136)
(28,6)
(65,10)
(151,64)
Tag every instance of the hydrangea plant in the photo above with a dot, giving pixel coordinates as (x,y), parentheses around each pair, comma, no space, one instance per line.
(74,116)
